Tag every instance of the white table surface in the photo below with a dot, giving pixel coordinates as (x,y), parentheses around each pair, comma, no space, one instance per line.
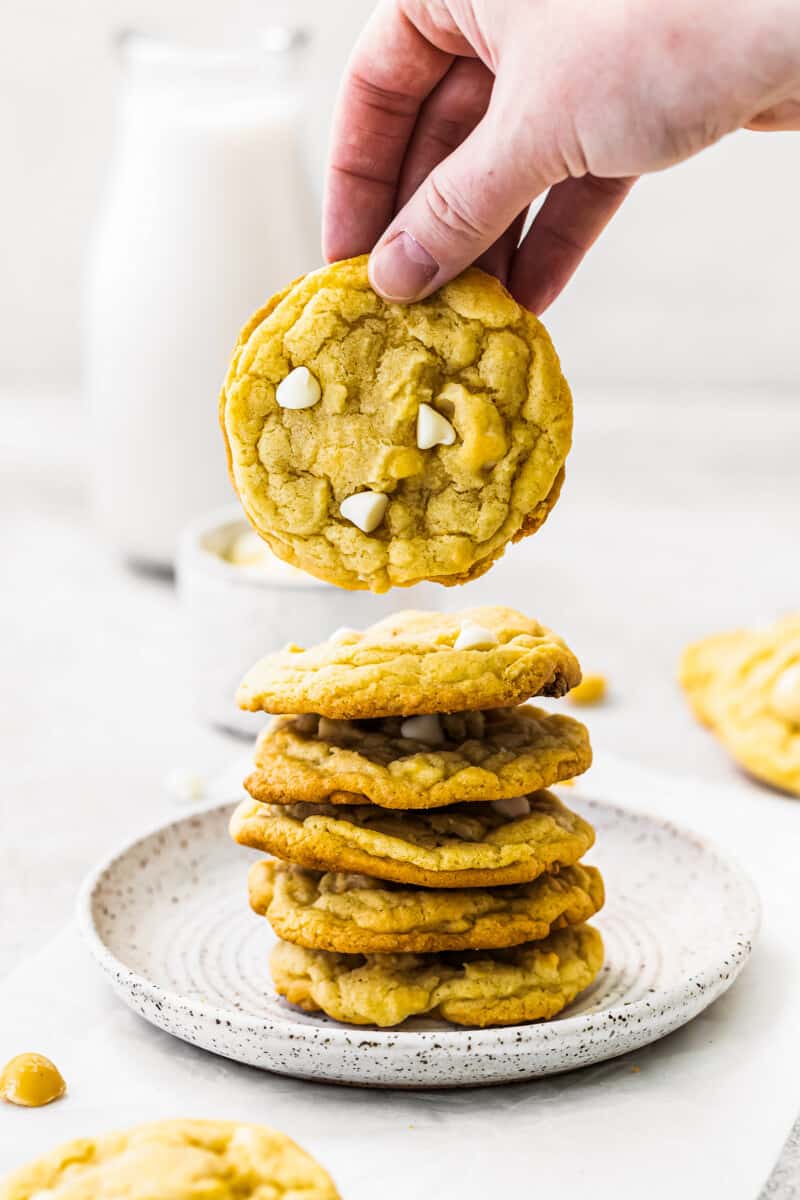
(679,517)
(702,1113)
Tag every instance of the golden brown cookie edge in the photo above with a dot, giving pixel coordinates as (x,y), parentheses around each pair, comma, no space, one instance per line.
(581,903)
(275,782)
(481,1014)
(356,861)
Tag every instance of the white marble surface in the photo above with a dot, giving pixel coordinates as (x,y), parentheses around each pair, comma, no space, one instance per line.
(678,517)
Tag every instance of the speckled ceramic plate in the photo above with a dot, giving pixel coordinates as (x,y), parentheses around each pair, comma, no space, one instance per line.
(167,919)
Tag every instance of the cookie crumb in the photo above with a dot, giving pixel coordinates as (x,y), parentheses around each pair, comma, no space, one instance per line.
(184,785)
(592,689)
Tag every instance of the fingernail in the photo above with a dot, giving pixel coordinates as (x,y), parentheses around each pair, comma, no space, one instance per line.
(401,269)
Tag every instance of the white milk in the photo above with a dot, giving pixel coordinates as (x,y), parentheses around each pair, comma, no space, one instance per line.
(208,212)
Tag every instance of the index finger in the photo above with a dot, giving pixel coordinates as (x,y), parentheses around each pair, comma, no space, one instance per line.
(391,71)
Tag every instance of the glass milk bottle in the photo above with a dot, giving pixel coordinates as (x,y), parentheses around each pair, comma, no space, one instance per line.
(207,213)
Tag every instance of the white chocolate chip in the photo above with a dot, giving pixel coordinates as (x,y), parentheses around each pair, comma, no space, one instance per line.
(786,694)
(343,634)
(474,637)
(307,724)
(245,1137)
(329,728)
(337,883)
(433,429)
(184,785)
(365,509)
(423,729)
(515,806)
(300,389)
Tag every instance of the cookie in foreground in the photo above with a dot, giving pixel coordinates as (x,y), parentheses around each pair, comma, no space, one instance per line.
(375,444)
(466,845)
(174,1160)
(355,914)
(422,762)
(413,663)
(531,982)
(745,686)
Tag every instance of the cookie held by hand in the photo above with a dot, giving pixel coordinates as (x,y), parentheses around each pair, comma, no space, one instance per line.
(376,445)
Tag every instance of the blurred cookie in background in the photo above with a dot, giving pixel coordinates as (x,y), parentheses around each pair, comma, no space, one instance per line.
(745,687)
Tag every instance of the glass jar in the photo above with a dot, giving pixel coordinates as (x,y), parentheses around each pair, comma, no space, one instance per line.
(208,211)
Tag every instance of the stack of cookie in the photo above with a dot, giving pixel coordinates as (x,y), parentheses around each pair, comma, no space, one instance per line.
(419,867)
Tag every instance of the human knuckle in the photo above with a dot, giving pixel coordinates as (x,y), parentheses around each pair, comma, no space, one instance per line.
(451,210)
(447,132)
(379,97)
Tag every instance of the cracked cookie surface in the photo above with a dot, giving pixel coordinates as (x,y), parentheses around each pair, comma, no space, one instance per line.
(354,914)
(466,845)
(745,686)
(175,1160)
(491,755)
(500,987)
(410,663)
(470,353)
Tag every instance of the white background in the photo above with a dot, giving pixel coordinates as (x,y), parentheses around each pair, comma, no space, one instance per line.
(696,282)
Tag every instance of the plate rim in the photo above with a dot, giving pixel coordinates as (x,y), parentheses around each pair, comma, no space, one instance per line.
(497,1037)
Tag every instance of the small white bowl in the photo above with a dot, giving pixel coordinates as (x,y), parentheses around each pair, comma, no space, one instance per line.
(235,614)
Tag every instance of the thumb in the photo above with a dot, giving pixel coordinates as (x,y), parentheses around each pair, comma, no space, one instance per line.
(463,206)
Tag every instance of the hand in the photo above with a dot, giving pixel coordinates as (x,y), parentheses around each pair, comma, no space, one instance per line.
(455,114)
